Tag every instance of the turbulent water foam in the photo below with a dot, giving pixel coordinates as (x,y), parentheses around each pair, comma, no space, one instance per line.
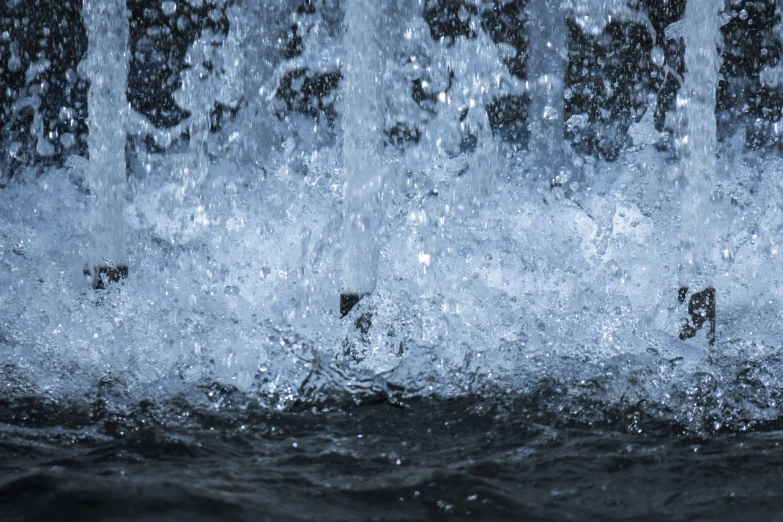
(470,298)
(487,284)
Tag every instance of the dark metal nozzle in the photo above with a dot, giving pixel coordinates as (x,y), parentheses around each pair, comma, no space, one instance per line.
(347,302)
(105,274)
(701,309)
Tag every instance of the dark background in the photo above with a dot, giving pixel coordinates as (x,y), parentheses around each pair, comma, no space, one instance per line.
(32,30)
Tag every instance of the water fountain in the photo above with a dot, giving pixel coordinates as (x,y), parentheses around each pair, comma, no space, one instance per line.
(546,75)
(107,68)
(362,151)
(696,103)
(409,225)
(517,297)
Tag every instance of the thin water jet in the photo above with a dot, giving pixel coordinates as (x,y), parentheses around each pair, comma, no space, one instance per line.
(697,145)
(547,52)
(362,152)
(106,66)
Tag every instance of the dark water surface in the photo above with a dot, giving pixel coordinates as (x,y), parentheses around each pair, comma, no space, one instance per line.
(423,460)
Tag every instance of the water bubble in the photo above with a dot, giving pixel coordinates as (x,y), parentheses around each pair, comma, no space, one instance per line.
(743,14)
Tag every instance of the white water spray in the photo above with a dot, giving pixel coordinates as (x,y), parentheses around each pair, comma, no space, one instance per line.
(106,22)
(515,290)
(215,75)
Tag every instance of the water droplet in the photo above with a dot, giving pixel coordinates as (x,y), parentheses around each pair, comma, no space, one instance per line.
(657,56)
(169,8)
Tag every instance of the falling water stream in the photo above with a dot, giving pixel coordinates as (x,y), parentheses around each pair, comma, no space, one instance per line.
(546,72)
(363,159)
(107,67)
(698,144)
(352,292)
(696,104)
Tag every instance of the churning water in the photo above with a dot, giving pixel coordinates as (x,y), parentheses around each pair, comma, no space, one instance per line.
(396,260)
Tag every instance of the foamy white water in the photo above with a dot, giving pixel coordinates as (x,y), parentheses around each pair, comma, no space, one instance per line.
(481,283)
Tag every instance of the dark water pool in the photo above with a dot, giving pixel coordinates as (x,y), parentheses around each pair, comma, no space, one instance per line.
(466,459)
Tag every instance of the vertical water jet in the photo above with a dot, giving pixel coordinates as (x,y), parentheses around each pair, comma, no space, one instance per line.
(547,51)
(696,145)
(106,22)
(362,124)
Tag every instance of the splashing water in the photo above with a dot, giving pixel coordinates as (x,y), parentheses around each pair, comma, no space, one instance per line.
(521,333)
(477,283)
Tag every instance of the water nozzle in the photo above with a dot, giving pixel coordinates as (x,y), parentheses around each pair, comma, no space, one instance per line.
(102,275)
(348,301)
(701,309)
